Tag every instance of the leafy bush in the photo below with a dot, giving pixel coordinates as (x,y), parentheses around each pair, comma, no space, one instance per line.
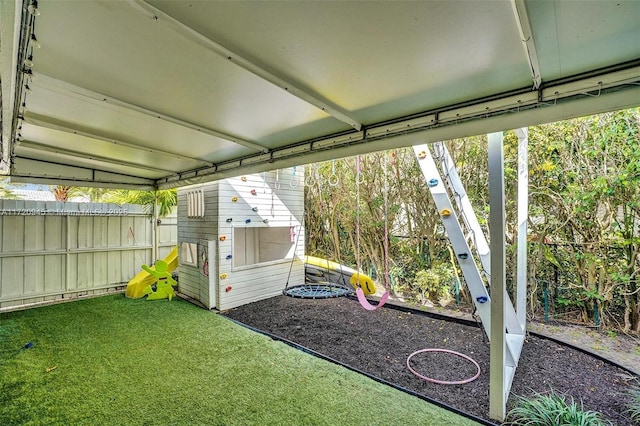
(552,410)
(435,283)
(634,405)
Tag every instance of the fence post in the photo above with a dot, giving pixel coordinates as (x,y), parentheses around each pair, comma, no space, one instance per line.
(546,302)
(156,233)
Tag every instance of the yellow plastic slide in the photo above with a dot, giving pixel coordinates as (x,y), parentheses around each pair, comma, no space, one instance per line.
(143,279)
(338,273)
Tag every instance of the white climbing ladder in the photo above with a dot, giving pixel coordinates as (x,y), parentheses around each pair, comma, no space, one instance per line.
(470,247)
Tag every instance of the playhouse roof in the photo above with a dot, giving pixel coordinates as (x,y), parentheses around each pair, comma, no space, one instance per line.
(166,93)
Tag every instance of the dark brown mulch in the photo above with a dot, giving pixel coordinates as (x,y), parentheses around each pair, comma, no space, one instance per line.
(379,343)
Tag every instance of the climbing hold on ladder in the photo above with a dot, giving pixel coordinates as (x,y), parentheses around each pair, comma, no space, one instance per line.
(254,192)
(229,220)
(445,212)
(247,221)
(223,276)
(229,257)
(234,199)
(453,197)
(433,182)
(255,209)
(223,237)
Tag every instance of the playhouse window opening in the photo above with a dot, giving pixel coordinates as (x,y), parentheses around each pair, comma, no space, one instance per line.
(257,245)
(189,254)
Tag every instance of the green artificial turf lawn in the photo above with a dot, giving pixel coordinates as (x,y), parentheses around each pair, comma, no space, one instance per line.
(121,361)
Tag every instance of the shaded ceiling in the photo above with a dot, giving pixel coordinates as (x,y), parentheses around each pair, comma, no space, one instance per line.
(145,94)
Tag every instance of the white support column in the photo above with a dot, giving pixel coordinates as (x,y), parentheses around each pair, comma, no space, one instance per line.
(523,214)
(497,376)
(155,255)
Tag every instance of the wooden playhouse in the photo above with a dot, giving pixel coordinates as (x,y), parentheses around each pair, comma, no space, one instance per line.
(241,239)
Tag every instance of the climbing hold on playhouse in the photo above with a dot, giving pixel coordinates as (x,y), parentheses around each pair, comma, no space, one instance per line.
(243,178)
(247,221)
(223,237)
(234,199)
(255,209)
(229,257)
(254,192)
(223,276)
(229,220)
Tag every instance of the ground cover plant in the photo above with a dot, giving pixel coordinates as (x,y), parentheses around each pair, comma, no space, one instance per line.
(379,343)
(634,405)
(551,410)
(117,361)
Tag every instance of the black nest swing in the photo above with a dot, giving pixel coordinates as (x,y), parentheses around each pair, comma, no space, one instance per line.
(316,291)
(316,285)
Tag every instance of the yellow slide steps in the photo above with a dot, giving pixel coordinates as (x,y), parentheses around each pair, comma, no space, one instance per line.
(143,279)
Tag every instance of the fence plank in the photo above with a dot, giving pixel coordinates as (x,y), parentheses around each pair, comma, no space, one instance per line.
(54,250)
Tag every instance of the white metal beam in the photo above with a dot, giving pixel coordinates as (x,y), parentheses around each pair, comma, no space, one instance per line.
(10,18)
(43,172)
(48,123)
(71,155)
(526,37)
(498,349)
(397,137)
(244,63)
(80,92)
(88,183)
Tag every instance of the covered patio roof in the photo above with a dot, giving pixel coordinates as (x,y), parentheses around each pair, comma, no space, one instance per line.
(158,94)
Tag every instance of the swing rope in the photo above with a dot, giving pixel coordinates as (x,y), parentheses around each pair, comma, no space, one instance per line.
(323,290)
(358,171)
(359,293)
(292,232)
(387,283)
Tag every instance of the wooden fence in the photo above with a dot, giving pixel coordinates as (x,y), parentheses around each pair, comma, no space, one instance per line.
(52,250)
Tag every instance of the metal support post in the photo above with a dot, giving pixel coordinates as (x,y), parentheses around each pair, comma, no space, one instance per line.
(523,214)
(497,376)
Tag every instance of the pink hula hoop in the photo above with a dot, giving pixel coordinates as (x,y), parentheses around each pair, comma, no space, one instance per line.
(444,382)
